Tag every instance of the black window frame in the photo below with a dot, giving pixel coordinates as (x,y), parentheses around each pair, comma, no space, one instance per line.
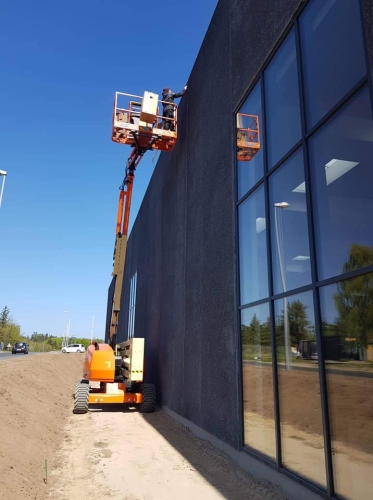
(315,285)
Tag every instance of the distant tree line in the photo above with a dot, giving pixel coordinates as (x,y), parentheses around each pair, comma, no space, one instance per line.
(10,333)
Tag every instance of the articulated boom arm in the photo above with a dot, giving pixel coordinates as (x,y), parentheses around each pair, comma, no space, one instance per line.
(137,123)
(121,235)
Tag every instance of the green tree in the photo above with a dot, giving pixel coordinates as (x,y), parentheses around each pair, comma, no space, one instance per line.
(10,332)
(300,327)
(354,299)
(299,324)
(4,317)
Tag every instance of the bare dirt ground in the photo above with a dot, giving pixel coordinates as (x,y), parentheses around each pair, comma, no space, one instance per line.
(112,453)
(130,456)
(35,401)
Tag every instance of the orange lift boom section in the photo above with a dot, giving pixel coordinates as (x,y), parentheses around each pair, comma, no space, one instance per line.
(136,122)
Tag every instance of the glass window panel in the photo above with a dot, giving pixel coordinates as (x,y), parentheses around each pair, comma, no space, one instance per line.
(250,172)
(341,156)
(302,438)
(332,52)
(259,424)
(283,123)
(347,329)
(289,230)
(253,248)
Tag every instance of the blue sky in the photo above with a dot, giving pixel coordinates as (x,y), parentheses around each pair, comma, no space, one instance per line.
(61,63)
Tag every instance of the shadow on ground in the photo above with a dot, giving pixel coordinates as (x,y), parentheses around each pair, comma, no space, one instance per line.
(213,465)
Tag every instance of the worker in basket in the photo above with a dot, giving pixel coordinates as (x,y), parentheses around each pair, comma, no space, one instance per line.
(168,98)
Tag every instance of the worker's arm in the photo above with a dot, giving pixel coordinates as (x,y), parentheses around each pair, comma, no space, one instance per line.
(179,94)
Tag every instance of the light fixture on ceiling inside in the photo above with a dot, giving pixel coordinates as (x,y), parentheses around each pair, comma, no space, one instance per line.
(336,168)
(300,189)
(301,257)
(260,224)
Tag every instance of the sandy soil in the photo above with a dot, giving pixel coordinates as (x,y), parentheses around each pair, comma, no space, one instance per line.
(124,455)
(108,453)
(35,402)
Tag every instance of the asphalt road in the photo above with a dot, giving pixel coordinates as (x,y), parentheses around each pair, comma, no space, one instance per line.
(6,355)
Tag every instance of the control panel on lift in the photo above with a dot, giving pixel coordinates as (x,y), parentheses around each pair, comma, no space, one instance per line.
(137,121)
(248,136)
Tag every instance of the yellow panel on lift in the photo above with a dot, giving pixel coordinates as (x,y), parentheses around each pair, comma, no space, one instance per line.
(132,352)
(120,254)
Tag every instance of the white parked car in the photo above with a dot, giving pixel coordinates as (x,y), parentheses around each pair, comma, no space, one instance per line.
(73,348)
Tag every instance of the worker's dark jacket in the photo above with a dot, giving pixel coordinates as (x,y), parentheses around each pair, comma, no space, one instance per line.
(169,97)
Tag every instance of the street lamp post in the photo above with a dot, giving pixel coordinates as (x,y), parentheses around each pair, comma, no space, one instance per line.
(3,174)
(64,344)
(68,332)
(279,206)
(93,323)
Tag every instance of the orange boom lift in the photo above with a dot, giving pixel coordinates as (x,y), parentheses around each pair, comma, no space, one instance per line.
(248,136)
(114,373)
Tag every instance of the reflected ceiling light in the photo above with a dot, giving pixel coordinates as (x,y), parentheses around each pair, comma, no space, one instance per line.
(260,224)
(336,168)
(300,189)
(301,257)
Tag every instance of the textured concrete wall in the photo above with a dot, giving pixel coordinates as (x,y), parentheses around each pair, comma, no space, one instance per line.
(108,309)
(367,11)
(183,242)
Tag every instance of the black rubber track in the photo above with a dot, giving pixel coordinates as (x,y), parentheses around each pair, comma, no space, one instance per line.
(149,402)
(81,398)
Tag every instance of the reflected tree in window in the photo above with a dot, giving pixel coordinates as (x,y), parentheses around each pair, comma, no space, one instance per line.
(300,326)
(256,340)
(354,301)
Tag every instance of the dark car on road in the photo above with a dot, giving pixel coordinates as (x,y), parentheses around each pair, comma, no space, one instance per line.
(20,348)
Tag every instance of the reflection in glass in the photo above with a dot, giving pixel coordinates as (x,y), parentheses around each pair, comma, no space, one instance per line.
(333,53)
(259,422)
(282,102)
(302,438)
(347,329)
(341,166)
(289,230)
(249,173)
(253,248)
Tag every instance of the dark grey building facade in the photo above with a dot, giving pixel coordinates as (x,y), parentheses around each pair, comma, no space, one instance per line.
(252,282)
